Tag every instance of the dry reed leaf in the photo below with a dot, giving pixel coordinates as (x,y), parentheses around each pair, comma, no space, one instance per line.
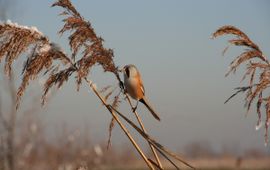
(239,90)
(259,104)
(267,122)
(115,105)
(105,89)
(111,126)
(108,95)
(116,101)
(225,50)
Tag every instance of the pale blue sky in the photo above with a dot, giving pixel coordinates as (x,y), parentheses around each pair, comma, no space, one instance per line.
(182,68)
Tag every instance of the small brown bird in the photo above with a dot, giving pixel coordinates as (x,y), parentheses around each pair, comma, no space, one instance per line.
(134,87)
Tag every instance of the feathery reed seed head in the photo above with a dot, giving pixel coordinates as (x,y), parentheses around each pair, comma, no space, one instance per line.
(256,63)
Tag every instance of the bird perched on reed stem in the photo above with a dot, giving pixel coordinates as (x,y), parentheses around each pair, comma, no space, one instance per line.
(134,87)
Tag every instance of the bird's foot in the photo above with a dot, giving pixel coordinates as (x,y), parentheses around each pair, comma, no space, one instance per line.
(134,109)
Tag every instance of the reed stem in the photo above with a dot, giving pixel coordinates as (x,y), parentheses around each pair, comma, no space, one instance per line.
(149,164)
(144,130)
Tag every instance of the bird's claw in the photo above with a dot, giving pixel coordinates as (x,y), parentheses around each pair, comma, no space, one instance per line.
(134,109)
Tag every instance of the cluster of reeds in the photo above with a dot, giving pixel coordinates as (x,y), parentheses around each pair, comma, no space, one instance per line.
(45,58)
(10,120)
(257,72)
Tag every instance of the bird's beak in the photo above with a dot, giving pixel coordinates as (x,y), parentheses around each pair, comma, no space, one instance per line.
(121,69)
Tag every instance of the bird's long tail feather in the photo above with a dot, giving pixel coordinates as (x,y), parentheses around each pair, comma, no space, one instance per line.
(146,103)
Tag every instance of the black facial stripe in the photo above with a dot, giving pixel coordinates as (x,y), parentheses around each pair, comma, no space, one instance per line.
(127,72)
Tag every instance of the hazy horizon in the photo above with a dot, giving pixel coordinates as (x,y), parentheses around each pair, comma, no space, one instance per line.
(182,68)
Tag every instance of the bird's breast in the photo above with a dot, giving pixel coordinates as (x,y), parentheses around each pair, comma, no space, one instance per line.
(133,88)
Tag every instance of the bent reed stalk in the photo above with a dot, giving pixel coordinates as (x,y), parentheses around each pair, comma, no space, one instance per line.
(47,59)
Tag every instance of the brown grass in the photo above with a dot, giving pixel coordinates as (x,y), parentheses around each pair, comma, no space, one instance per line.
(83,36)
(45,58)
(257,72)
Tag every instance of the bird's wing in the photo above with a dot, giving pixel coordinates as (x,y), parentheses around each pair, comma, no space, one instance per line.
(141,84)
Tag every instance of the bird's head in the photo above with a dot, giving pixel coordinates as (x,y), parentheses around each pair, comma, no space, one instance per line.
(129,70)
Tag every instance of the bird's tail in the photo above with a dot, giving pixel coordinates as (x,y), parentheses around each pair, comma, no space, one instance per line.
(146,103)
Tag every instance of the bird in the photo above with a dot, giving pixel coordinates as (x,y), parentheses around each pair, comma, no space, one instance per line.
(134,87)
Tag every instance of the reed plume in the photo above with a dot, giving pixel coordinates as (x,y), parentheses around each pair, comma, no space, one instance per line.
(257,72)
(83,36)
(45,58)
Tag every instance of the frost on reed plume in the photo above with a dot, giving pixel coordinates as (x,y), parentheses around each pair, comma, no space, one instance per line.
(45,58)
(257,72)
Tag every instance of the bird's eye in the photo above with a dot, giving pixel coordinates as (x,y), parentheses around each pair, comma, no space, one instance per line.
(127,72)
